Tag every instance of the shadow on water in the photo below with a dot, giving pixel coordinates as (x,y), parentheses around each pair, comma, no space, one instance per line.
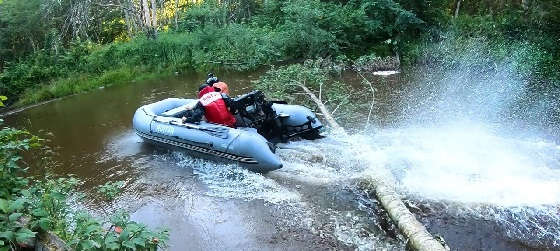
(463,167)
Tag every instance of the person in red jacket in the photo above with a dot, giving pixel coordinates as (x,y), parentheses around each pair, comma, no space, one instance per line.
(215,106)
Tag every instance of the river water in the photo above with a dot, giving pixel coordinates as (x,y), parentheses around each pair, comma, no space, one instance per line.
(476,179)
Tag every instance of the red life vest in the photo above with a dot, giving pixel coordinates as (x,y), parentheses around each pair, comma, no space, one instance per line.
(215,109)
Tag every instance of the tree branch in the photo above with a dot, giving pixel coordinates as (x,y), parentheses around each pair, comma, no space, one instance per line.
(328,117)
(372,97)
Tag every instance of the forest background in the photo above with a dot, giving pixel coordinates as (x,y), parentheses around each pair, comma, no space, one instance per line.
(53,48)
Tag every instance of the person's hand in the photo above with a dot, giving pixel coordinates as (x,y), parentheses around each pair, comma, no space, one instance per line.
(184,119)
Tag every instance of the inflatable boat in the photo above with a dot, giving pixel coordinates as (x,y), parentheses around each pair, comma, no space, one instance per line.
(252,147)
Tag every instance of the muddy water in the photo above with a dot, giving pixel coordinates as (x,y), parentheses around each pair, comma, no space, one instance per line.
(467,182)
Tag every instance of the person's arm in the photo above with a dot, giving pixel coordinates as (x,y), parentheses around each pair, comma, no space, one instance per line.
(230,103)
(194,115)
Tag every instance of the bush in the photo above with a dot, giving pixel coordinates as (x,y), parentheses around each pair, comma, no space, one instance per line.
(30,206)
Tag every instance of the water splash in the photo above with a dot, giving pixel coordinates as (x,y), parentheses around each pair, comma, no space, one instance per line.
(470,164)
(471,136)
(232,181)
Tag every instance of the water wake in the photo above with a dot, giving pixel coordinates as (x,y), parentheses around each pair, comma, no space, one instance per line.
(232,181)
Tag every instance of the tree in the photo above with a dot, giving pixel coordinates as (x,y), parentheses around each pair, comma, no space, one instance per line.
(22,29)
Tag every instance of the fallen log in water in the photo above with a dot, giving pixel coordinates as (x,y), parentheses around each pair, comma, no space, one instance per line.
(382,185)
(418,237)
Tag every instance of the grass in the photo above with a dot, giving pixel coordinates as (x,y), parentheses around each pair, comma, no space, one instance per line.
(86,82)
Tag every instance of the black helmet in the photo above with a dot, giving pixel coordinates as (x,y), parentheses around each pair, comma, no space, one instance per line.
(212,80)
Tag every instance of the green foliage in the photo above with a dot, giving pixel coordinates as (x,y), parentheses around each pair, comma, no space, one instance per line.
(29,206)
(207,13)
(50,208)
(482,42)
(491,33)
(123,234)
(21,28)
(282,82)
(13,231)
(285,83)
(14,201)
(88,233)
(12,141)
(110,190)
(239,35)
(129,234)
(233,46)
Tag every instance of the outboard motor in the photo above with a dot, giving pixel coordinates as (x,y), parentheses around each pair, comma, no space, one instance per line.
(277,121)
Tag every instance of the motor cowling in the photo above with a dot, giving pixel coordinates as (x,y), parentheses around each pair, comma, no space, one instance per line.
(277,122)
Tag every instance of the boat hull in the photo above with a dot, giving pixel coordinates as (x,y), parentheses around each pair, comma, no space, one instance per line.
(242,146)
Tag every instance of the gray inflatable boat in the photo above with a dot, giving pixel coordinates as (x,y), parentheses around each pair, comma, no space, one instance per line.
(252,146)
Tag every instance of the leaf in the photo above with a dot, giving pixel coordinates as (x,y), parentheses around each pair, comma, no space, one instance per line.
(124,235)
(24,234)
(58,196)
(8,235)
(14,217)
(16,205)
(95,244)
(112,245)
(4,205)
(86,245)
(39,212)
(90,229)
(44,224)
(139,242)
(132,227)
(111,242)
(26,193)
(128,244)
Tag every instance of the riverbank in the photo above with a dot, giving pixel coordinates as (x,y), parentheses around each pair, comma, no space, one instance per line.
(84,83)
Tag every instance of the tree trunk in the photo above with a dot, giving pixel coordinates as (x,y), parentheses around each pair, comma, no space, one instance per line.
(146,17)
(154,16)
(125,8)
(137,14)
(32,44)
(457,7)
(418,237)
(525,4)
(176,14)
